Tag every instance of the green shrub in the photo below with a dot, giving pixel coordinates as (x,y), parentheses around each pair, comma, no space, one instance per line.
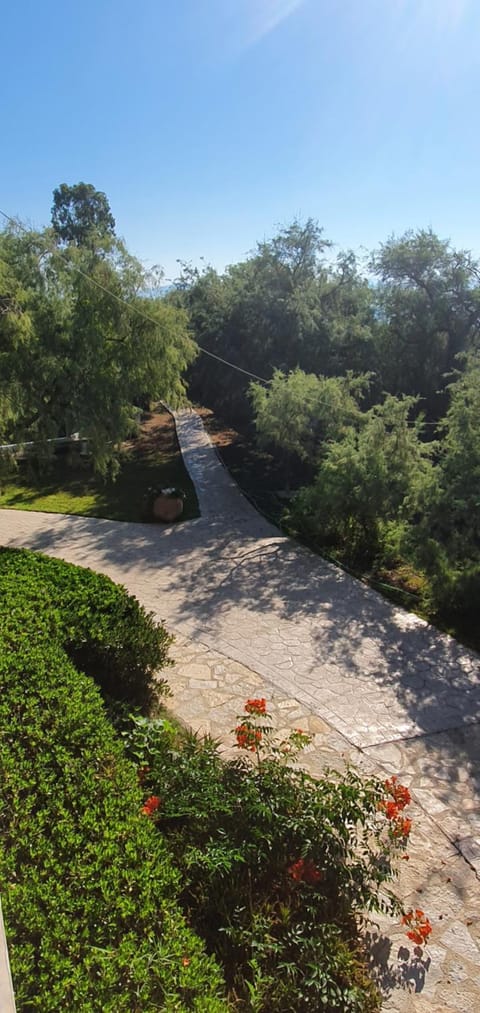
(276,866)
(88,888)
(105,631)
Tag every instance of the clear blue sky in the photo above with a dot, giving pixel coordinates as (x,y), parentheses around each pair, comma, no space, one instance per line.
(207,122)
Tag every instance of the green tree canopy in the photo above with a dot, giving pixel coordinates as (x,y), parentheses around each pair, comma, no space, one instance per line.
(429,308)
(81,214)
(301,412)
(284,307)
(81,344)
(376,472)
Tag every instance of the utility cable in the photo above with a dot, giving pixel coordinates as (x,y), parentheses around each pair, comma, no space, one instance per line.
(150,319)
(136,310)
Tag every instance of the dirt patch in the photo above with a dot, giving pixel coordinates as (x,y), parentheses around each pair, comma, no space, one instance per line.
(257,471)
(219,432)
(157,434)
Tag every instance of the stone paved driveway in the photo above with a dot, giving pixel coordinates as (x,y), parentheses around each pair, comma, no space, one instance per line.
(392,693)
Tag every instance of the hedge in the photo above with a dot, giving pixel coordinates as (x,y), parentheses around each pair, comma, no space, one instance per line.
(88,888)
(104,630)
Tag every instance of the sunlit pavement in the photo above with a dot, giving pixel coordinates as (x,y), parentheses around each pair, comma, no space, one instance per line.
(377,687)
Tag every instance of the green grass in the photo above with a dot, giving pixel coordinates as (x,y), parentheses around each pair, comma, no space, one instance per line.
(74,489)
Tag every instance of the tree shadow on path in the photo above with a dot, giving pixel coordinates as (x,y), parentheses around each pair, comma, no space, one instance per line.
(377,672)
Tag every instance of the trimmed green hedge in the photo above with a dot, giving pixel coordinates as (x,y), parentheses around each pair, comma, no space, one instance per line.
(88,889)
(104,630)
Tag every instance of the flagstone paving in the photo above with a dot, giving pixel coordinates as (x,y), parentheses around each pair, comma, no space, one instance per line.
(256,614)
(209,691)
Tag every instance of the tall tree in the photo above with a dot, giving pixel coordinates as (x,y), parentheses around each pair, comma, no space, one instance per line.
(453,516)
(429,308)
(300,413)
(82,344)
(285,307)
(81,214)
(374,473)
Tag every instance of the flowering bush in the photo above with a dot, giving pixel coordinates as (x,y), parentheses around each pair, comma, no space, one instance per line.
(276,866)
(400,826)
(259,738)
(257,707)
(304,871)
(247,737)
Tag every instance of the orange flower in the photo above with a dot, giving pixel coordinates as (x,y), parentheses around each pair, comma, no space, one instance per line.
(399,792)
(248,738)
(402,827)
(185,961)
(390,809)
(419,926)
(151,805)
(257,707)
(305,871)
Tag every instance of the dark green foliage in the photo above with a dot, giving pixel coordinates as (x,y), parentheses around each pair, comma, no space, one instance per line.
(236,830)
(374,473)
(80,214)
(429,309)
(301,413)
(445,540)
(289,306)
(88,888)
(283,307)
(103,629)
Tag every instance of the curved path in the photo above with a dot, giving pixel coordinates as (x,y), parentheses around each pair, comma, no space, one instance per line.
(391,691)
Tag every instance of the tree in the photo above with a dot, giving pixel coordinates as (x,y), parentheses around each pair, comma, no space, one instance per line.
(80,344)
(282,308)
(300,413)
(429,309)
(458,520)
(374,473)
(81,214)
(446,541)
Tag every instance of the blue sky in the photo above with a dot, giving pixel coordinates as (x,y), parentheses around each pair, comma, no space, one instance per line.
(208,122)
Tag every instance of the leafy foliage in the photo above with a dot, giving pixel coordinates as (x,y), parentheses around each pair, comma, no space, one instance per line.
(352,368)
(429,304)
(275,865)
(88,887)
(283,307)
(81,344)
(446,540)
(80,214)
(374,473)
(300,413)
(100,626)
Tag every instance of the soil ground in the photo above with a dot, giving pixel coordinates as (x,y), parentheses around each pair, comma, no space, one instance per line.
(260,476)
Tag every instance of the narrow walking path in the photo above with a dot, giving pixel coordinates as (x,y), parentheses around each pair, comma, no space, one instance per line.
(375,685)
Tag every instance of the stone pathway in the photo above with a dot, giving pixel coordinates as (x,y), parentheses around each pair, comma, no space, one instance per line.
(209,693)
(254,613)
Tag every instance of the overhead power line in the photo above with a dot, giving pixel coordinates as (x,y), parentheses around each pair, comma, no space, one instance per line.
(135,309)
(151,320)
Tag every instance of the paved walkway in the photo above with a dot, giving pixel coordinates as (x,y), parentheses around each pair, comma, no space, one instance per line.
(254,612)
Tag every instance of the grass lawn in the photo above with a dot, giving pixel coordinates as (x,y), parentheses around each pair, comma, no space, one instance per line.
(151,459)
